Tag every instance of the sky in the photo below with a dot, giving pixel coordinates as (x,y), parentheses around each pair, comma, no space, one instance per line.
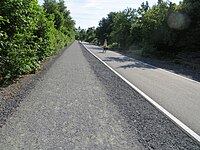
(88,13)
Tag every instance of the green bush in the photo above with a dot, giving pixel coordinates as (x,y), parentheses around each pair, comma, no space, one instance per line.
(114,46)
(28,35)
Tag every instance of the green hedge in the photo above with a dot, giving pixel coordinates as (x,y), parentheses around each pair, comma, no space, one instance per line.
(28,36)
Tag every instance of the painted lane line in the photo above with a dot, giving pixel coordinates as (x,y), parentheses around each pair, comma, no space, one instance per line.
(161,69)
(166,71)
(185,128)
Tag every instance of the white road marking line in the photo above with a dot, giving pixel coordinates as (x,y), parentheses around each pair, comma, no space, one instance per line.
(167,71)
(163,70)
(185,128)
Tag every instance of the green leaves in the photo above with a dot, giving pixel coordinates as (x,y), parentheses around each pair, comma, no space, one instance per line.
(164,29)
(28,35)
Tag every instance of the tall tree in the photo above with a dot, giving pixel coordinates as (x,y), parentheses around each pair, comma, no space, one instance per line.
(121,27)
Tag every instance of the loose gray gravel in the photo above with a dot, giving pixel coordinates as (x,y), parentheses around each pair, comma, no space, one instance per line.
(12,95)
(80,104)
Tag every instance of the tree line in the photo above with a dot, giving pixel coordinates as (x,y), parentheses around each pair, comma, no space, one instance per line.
(29,33)
(163,30)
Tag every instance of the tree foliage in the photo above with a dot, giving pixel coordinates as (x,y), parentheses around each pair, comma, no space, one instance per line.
(29,33)
(88,35)
(164,30)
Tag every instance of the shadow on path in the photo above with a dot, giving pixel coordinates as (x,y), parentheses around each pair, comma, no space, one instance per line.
(133,63)
(118,59)
(169,66)
(93,47)
(145,123)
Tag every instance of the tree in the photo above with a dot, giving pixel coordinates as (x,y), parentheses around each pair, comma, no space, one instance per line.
(164,30)
(189,32)
(121,27)
(29,34)
(105,28)
(91,35)
(62,18)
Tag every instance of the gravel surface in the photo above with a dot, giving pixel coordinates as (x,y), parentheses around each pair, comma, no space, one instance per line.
(80,104)
(67,109)
(155,131)
(12,95)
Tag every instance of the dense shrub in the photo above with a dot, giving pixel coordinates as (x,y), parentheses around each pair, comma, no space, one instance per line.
(29,34)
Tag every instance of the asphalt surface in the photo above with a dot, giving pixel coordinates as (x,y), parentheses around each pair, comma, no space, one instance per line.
(179,96)
(81,104)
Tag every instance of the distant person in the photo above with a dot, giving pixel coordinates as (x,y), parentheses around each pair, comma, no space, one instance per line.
(105,46)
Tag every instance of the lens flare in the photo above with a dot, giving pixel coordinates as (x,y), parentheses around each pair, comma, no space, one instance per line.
(179,21)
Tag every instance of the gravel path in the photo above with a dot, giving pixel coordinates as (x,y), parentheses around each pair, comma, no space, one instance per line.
(81,104)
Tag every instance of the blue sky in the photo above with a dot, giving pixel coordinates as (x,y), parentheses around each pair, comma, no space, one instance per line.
(88,13)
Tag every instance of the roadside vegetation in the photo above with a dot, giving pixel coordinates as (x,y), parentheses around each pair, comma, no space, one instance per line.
(165,31)
(30,33)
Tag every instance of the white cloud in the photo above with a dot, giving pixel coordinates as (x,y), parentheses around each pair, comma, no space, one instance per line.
(91,3)
(88,13)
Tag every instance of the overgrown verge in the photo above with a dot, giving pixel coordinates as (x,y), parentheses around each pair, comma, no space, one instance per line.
(12,95)
(30,33)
